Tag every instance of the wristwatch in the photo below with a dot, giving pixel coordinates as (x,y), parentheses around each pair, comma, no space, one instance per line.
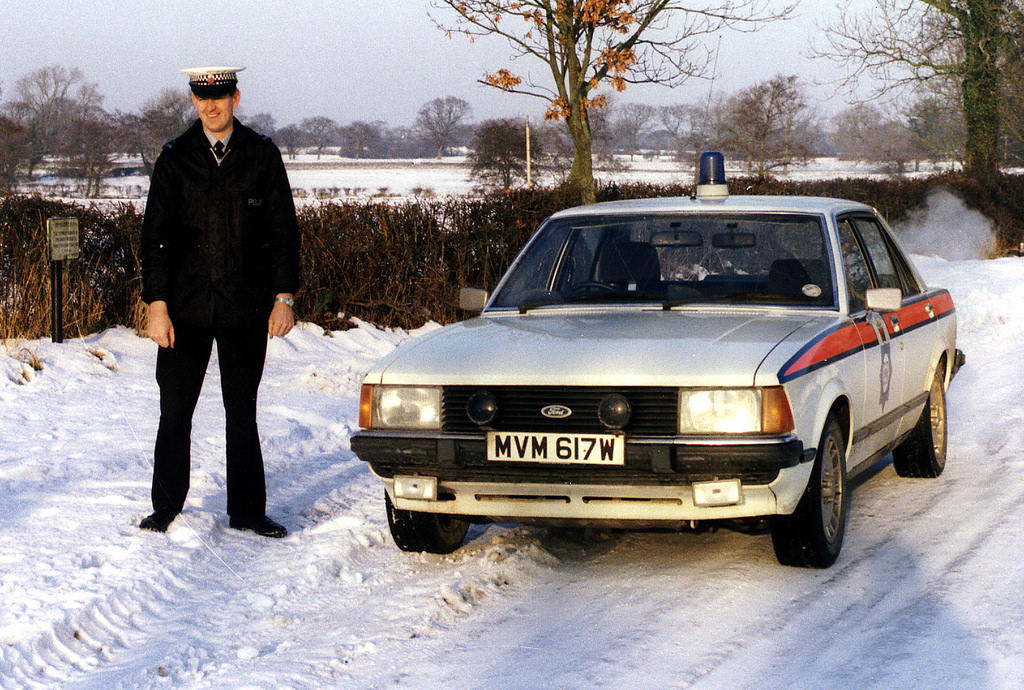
(285,300)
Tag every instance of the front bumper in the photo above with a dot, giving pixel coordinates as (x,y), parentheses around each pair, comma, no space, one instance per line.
(959,359)
(655,485)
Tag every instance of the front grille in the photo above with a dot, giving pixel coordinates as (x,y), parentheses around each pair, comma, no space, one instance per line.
(654,409)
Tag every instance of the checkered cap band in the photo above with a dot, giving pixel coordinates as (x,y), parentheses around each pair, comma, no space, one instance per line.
(213,79)
(213,82)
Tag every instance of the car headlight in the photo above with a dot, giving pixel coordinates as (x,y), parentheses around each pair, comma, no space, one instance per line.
(400,407)
(734,411)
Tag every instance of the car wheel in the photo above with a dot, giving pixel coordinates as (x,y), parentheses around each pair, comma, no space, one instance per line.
(430,532)
(923,453)
(813,535)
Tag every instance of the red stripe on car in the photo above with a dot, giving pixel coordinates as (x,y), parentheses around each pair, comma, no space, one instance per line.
(828,347)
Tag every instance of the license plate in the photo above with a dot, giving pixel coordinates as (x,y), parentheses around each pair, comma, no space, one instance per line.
(582,449)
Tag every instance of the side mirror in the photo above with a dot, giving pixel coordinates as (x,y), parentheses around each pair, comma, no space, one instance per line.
(472,300)
(884,300)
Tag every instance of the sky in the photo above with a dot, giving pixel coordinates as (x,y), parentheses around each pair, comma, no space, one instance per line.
(345,59)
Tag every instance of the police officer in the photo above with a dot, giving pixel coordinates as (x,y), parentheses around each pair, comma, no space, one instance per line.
(220,263)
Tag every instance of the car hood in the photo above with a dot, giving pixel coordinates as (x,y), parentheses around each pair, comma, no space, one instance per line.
(628,348)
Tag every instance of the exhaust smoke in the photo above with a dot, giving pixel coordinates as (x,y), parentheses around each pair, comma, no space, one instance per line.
(947,229)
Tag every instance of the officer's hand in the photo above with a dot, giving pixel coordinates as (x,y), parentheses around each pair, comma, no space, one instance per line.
(282,318)
(159,328)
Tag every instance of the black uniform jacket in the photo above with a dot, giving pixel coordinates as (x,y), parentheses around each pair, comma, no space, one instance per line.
(219,242)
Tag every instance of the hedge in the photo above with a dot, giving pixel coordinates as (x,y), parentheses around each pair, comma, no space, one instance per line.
(393,264)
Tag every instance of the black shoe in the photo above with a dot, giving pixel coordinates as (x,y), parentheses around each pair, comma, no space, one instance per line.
(262,525)
(158,521)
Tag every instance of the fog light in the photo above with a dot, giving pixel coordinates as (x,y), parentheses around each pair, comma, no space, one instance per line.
(721,493)
(416,488)
(614,411)
(482,407)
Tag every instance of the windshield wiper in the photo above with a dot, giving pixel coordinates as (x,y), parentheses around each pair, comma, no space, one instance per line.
(542,302)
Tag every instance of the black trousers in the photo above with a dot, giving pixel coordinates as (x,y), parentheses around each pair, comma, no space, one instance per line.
(180,372)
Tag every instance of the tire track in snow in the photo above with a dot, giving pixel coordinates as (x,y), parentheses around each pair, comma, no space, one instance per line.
(887,604)
(87,640)
(143,632)
(886,598)
(172,576)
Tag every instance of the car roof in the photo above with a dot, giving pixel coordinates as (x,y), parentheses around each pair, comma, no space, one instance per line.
(737,203)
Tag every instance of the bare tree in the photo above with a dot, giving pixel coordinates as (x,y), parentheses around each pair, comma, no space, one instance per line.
(498,156)
(865,132)
(405,142)
(589,44)
(319,133)
(904,43)
(161,119)
(438,120)
(854,138)
(14,152)
(767,124)
(631,122)
(47,102)
(937,125)
(362,139)
(263,123)
(89,151)
(689,128)
(557,147)
(290,139)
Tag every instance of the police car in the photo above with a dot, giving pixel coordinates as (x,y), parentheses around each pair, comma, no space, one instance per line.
(670,363)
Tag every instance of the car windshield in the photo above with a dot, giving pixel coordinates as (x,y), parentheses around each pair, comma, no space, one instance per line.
(735,258)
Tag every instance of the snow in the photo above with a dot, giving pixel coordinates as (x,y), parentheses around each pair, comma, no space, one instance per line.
(921,591)
(330,177)
(926,592)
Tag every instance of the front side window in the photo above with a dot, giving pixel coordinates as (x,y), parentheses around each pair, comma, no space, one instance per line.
(858,275)
(891,268)
(878,251)
(762,259)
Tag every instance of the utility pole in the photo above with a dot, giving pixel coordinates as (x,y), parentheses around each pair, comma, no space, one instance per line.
(529,177)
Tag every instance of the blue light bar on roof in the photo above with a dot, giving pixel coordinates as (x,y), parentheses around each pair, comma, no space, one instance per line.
(711,176)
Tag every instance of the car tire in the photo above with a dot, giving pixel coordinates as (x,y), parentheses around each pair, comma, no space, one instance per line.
(923,453)
(429,532)
(813,535)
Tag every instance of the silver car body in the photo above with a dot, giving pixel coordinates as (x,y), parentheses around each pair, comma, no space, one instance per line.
(873,368)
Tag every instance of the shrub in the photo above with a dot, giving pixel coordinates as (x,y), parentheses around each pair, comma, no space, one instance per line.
(394,264)
(101,288)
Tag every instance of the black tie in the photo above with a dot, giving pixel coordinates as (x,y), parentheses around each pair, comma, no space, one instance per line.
(218,150)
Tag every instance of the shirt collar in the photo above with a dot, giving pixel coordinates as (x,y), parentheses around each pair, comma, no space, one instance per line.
(213,140)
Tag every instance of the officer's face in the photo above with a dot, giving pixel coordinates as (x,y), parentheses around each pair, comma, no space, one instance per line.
(216,113)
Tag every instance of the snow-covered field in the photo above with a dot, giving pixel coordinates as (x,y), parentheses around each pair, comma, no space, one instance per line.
(927,591)
(318,178)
